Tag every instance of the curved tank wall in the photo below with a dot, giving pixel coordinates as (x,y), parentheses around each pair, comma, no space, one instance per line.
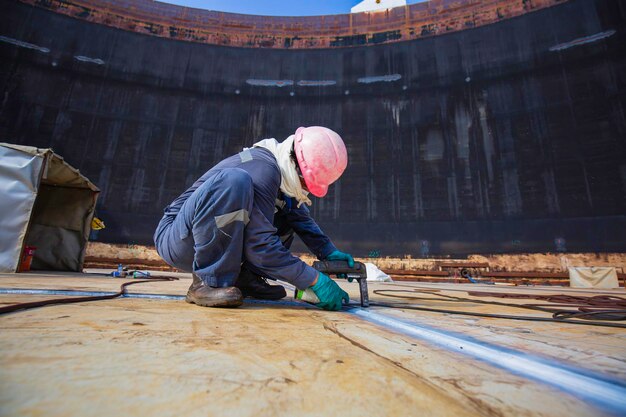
(430,18)
(507,137)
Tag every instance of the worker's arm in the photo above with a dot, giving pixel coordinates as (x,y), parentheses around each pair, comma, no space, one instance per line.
(300,220)
(311,234)
(264,250)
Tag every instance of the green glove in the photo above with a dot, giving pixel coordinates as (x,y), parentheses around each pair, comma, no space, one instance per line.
(341,256)
(329,293)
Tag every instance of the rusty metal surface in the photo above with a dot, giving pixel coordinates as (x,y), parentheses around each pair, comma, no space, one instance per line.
(414,21)
(505,138)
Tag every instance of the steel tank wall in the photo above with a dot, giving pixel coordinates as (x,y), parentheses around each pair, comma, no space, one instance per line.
(503,138)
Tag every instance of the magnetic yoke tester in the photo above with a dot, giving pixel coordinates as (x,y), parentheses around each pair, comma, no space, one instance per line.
(341,270)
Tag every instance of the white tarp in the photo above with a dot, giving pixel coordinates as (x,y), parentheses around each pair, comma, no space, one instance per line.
(375,274)
(593,277)
(46,203)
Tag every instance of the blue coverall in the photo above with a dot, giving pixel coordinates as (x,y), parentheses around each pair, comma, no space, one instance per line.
(235,215)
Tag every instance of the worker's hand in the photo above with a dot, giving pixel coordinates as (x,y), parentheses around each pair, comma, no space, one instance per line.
(341,256)
(329,293)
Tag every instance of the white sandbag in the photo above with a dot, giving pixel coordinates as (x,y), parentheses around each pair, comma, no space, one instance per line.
(375,274)
(593,277)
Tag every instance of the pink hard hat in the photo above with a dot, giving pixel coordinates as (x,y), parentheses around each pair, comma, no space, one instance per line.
(322,157)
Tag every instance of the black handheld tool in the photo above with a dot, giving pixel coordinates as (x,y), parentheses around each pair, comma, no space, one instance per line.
(359,273)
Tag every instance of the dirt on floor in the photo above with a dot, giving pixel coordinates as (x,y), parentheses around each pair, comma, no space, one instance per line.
(105,253)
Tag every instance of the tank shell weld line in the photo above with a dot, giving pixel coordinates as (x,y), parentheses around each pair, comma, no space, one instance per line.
(269,83)
(379,79)
(319,83)
(82,58)
(582,41)
(606,394)
(23,44)
(316,83)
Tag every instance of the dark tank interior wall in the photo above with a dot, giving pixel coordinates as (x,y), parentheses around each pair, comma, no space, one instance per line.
(503,138)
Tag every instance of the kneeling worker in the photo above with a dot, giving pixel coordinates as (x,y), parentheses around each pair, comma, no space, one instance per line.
(235,224)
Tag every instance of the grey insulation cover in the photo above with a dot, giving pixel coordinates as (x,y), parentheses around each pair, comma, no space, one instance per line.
(20,175)
(44,202)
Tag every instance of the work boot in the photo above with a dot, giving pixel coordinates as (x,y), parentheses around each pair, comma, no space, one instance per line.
(255,286)
(206,296)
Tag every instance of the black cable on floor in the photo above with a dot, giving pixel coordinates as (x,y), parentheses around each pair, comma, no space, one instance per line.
(498,316)
(554,319)
(71,300)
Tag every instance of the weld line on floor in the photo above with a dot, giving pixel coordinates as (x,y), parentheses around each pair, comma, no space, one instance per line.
(78,293)
(608,395)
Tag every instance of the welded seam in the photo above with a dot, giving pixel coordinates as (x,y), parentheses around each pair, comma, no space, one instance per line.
(582,41)
(83,58)
(606,394)
(332,328)
(71,293)
(26,291)
(481,407)
(23,44)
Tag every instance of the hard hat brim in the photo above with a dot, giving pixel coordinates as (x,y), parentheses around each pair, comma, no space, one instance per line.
(317,190)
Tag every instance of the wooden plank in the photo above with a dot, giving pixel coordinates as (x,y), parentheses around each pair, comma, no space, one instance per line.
(421,272)
(463,265)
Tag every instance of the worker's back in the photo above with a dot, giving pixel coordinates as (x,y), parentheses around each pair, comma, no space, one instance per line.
(259,163)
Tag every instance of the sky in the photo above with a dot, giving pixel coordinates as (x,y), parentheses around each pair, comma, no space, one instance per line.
(275,7)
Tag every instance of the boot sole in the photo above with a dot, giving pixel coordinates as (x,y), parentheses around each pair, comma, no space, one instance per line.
(270,295)
(263,297)
(235,302)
